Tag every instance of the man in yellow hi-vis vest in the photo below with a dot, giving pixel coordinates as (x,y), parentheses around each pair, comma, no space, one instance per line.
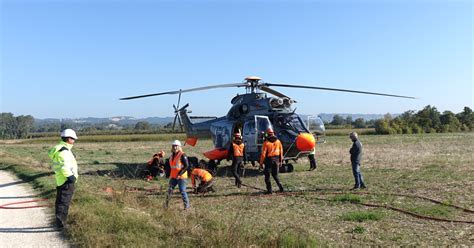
(65,170)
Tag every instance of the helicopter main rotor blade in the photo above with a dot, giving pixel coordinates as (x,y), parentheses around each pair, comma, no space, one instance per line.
(272,91)
(334,89)
(179,98)
(187,90)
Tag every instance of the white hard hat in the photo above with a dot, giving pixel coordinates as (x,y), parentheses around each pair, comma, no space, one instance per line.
(176,143)
(68,133)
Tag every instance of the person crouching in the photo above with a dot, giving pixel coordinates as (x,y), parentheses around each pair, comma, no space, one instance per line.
(206,181)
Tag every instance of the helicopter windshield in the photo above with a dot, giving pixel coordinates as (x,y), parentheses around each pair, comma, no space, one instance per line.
(292,122)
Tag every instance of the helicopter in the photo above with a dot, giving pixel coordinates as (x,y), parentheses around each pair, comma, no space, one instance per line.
(251,115)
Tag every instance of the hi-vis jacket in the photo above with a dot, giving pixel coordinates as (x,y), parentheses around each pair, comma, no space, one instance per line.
(238,150)
(64,162)
(202,174)
(271,149)
(176,166)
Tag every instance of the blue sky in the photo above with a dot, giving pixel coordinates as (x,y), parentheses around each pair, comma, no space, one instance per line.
(68,59)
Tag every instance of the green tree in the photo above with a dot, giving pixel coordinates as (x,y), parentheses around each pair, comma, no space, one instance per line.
(12,127)
(449,122)
(382,126)
(337,120)
(24,125)
(7,125)
(428,119)
(359,123)
(348,120)
(467,119)
(142,125)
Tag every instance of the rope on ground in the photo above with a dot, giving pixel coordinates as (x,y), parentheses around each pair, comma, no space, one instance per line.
(380,205)
(6,206)
(136,189)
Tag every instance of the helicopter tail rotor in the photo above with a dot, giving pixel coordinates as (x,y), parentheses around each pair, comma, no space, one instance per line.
(176,113)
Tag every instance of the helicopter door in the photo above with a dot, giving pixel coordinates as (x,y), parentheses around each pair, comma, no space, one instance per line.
(316,127)
(262,123)
(253,135)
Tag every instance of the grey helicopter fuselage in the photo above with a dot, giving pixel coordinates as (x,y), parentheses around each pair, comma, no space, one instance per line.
(251,115)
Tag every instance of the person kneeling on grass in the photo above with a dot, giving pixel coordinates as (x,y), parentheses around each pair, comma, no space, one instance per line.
(155,167)
(206,181)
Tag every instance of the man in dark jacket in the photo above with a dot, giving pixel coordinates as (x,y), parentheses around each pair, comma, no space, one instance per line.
(356,156)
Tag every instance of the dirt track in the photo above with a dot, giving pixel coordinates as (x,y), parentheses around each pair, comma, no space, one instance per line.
(24,227)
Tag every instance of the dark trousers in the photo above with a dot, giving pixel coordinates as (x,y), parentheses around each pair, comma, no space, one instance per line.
(63,200)
(272,164)
(205,187)
(359,180)
(312,162)
(236,169)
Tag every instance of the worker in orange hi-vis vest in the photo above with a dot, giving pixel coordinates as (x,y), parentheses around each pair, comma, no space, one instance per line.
(206,181)
(178,175)
(237,153)
(271,158)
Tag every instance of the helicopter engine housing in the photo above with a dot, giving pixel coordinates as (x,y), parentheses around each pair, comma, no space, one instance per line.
(276,102)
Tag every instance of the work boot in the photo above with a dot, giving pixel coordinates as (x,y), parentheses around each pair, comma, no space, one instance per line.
(268,192)
(167,200)
(281,190)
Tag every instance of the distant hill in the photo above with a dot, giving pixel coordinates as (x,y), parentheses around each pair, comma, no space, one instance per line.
(128,120)
(119,120)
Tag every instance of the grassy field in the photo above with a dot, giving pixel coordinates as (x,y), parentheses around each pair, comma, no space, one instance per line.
(323,212)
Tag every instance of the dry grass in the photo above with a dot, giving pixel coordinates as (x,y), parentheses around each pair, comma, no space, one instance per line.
(438,166)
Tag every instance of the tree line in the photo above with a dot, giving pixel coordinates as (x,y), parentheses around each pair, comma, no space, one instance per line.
(18,127)
(427,120)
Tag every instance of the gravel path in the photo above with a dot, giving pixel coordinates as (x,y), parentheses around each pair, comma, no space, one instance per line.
(25,227)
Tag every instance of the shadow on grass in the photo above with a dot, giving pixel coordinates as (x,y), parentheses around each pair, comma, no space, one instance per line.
(226,171)
(259,192)
(27,178)
(123,170)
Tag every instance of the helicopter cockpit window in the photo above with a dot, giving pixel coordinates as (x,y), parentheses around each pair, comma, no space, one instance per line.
(263,125)
(292,122)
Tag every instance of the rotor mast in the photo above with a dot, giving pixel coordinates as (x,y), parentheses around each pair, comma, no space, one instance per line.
(253,83)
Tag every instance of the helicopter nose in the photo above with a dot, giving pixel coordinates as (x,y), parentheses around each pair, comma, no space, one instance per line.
(305,142)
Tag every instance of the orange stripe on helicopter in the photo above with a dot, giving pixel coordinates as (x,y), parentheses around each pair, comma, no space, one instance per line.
(216,154)
(191,141)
